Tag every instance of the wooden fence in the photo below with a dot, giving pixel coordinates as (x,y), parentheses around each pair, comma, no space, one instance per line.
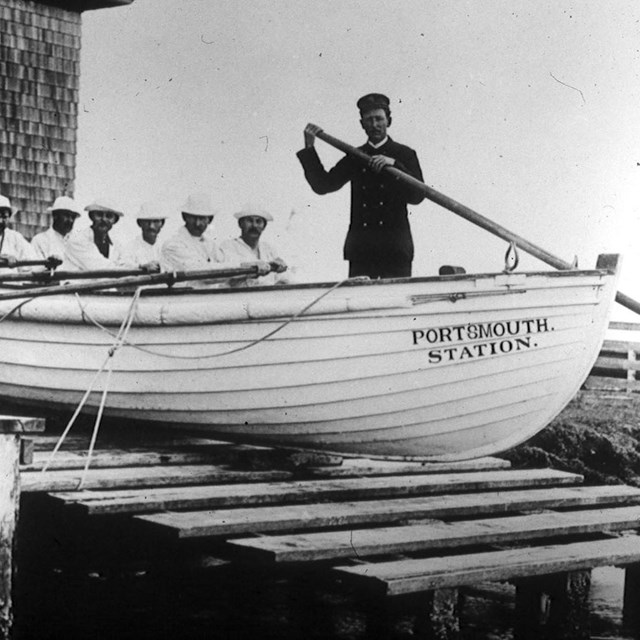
(618,364)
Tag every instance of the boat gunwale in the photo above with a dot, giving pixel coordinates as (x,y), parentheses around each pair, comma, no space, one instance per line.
(351,282)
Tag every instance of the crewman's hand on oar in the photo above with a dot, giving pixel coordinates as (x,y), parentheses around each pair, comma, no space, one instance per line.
(310,133)
(7,261)
(151,267)
(263,267)
(379,162)
(278,265)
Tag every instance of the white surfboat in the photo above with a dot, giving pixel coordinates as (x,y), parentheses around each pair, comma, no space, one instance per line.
(447,368)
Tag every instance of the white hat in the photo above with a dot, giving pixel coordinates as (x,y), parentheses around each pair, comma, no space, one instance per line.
(65,203)
(151,210)
(5,203)
(251,209)
(198,204)
(102,204)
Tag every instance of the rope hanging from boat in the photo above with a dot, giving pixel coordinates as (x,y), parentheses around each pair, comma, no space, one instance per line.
(120,340)
(12,311)
(224,353)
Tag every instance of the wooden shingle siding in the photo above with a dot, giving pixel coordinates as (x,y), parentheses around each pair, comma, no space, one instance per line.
(39,80)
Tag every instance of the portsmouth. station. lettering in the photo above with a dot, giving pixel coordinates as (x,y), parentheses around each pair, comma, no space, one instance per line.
(477,340)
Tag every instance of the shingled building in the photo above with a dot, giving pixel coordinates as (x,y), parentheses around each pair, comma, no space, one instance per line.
(39,79)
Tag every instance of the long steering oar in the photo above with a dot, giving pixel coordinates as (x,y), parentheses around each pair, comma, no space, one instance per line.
(469,214)
(168,278)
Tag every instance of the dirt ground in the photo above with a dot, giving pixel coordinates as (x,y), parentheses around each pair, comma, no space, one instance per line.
(597,435)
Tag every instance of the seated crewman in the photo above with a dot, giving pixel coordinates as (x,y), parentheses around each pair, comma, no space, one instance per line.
(13,245)
(53,242)
(252,220)
(190,248)
(145,249)
(93,248)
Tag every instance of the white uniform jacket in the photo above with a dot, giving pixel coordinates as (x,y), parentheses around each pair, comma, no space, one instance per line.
(184,252)
(236,251)
(83,255)
(50,243)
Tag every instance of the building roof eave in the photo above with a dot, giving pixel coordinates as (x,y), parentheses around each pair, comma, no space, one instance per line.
(85,5)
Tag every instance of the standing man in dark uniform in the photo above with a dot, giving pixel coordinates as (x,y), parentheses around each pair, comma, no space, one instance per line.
(378,243)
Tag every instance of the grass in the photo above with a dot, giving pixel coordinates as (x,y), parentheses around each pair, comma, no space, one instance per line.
(597,435)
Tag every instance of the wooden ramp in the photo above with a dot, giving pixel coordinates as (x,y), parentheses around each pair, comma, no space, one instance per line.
(391,529)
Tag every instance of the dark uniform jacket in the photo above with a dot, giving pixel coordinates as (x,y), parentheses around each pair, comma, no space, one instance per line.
(379,223)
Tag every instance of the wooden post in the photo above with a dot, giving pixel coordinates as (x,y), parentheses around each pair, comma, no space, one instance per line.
(553,607)
(631,372)
(631,598)
(10,430)
(439,619)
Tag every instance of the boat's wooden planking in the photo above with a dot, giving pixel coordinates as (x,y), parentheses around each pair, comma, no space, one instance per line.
(446,378)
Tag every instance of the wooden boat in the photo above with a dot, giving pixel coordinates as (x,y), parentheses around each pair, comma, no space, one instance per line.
(448,367)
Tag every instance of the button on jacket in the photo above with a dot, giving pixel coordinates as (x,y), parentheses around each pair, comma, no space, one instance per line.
(379,219)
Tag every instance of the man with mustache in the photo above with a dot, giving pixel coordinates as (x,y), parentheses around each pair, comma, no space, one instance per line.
(252,220)
(53,241)
(379,242)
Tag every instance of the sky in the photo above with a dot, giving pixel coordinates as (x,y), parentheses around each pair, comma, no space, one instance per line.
(525,112)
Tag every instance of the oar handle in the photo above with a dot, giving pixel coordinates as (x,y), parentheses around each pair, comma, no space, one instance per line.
(50,263)
(55,276)
(471,215)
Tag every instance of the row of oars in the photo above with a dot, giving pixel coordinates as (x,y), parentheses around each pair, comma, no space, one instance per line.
(109,279)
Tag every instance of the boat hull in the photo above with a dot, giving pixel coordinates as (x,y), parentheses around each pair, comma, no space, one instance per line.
(440,368)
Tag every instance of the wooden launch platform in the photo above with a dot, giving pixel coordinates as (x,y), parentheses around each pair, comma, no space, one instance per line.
(398,534)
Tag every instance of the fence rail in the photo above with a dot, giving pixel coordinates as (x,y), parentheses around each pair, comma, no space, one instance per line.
(618,364)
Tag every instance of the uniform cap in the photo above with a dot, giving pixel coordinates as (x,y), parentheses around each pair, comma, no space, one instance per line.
(65,203)
(151,210)
(198,204)
(251,209)
(102,204)
(373,101)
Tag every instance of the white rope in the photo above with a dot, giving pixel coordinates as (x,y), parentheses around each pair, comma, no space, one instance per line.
(12,311)
(124,330)
(108,362)
(87,315)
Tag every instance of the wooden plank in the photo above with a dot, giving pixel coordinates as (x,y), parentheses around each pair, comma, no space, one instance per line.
(203,497)
(221,522)
(618,363)
(352,467)
(620,345)
(115,458)
(425,574)
(358,543)
(148,477)
(625,326)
